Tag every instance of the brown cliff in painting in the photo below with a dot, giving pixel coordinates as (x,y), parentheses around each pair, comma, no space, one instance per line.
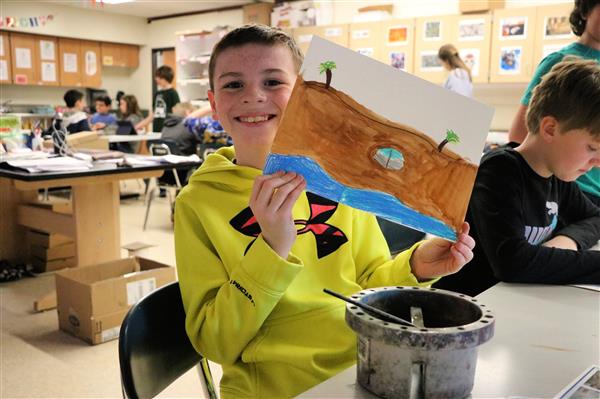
(342,136)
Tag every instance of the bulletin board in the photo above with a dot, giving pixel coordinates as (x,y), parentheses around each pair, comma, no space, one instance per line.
(513,42)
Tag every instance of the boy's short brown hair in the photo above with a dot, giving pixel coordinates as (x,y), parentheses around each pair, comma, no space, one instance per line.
(165,72)
(570,92)
(253,34)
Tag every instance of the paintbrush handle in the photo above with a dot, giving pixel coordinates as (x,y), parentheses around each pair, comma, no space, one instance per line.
(370,308)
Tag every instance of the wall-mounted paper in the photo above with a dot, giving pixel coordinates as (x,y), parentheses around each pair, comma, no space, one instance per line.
(91,63)
(70,62)
(3,70)
(22,58)
(49,71)
(387,142)
(47,50)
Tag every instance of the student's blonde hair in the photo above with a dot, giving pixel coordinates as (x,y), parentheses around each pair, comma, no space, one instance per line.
(180,109)
(570,92)
(449,54)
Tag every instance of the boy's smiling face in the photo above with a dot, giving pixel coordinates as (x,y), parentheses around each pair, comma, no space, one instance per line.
(252,86)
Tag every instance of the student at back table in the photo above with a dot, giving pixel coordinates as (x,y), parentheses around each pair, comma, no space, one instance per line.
(255,251)
(164,100)
(75,119)
(531,222)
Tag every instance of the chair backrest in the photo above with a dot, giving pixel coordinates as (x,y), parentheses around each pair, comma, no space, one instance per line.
(154,349)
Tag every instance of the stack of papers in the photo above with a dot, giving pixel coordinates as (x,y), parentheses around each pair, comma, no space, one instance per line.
(138,160)
(57,164)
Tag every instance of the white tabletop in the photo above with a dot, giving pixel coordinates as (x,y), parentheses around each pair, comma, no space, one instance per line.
(120,138)
(545,337)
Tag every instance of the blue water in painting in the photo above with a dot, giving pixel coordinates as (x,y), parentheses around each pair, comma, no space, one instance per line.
(384,205)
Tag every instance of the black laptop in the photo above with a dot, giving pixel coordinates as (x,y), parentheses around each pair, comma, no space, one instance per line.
(125,127)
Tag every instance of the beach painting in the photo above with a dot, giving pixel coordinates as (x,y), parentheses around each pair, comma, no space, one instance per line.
(388,143)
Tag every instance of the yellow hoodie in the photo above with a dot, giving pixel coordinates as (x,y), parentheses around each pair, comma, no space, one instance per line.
(265,319)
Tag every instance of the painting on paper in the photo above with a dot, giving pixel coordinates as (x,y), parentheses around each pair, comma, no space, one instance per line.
(373,143)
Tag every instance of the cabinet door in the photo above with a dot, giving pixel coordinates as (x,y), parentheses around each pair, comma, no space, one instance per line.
(24,59)
(473,38)
(5,58)
(553,30)
(111,54)
(69,51)
(46,50)
(431,33)
(366,38)
(132,55)
(90,64)
(399,43)
(513,45)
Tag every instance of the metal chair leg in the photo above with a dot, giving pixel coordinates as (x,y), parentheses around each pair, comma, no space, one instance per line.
(208,387)
(149,199)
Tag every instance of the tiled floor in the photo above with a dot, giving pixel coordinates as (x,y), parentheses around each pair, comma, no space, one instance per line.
(40,361)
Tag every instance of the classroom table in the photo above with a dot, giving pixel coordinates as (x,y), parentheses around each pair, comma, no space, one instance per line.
(121,138)
(545,336)
(94,223)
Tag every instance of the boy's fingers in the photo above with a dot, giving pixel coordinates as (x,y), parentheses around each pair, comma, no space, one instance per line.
(283,192)
(467,240)
(262,189)
(291,199)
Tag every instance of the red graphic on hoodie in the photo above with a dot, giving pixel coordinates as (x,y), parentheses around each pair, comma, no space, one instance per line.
(328,238)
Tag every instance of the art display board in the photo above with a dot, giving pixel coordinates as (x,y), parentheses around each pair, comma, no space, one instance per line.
(473,38)
(431,33)
(334,33)
(373,143)
(553,30)
(366,38)
(513,39)
(398,43)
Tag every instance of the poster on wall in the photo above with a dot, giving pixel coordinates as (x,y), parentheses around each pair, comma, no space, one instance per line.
(471,29)
(432,30)
(510,60)
(368,51)
(91,63)
(3,70)
(22,58)
(397,35)
(513,28)
(70,62)
(391,158)
(430,61)
(398,60)
(1,46)
(48,72)
(557,28)
(47,52)
(471,57)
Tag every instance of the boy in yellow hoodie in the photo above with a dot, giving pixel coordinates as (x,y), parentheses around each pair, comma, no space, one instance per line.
(254,251)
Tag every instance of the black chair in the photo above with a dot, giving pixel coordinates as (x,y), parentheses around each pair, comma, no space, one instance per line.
(154,349)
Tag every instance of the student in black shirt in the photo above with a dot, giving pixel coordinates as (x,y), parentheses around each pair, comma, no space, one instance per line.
(531,222)
(164,99)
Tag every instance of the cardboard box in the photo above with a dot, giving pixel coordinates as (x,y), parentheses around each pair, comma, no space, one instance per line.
(35,237)
(469,6)
(92,301)
(42,266)
(258,13)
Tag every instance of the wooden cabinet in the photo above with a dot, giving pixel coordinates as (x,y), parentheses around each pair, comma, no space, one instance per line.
(69,51)
(24,59)
(90,64)
(47,62)
(431,33)
(399,44)
(120,55)
(366,38)
(5,58)
(553,30)
(513,45)
(473,38)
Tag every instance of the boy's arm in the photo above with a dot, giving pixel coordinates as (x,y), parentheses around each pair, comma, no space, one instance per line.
(496,210)
(580,217)
(226,306)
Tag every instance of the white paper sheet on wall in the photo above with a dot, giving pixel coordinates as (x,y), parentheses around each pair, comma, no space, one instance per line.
(22,58)
(48,71)
(1,47)
(70,62)
(90,63)
(3,70)
(47,52)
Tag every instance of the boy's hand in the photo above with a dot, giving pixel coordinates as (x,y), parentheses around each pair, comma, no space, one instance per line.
(438,257)
(272,199)
(562,242)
